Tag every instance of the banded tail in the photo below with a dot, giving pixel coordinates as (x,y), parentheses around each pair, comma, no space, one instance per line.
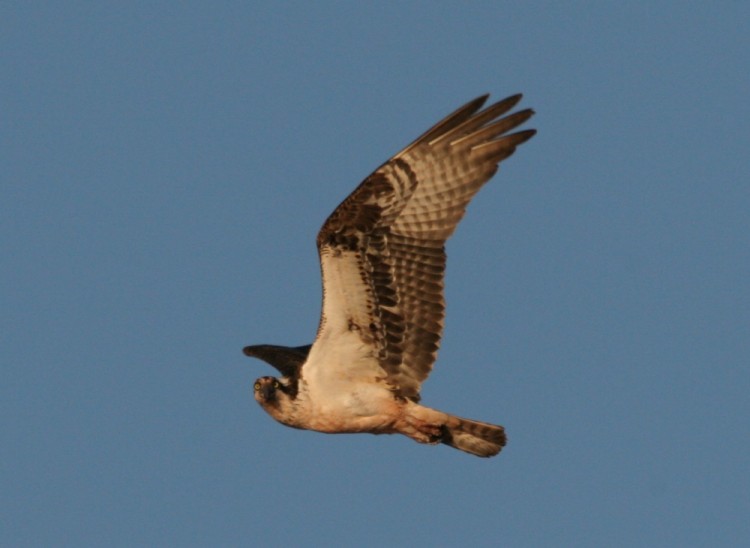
(478,438)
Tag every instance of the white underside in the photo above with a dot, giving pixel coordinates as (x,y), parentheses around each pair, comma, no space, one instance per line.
(342,377)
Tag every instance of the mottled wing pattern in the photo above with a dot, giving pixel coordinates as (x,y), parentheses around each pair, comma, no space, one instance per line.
(382,250)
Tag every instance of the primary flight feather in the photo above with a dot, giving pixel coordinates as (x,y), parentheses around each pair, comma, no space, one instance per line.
(382,257)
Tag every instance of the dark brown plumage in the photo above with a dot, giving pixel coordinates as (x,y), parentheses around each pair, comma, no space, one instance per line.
(382,254)
(398,220)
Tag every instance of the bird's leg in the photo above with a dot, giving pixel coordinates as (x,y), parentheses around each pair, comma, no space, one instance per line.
(422,424)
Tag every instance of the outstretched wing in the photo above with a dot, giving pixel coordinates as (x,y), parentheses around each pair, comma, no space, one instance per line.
(286,359)
(382,250)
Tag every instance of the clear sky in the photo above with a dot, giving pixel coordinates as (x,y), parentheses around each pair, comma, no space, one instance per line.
(165,168)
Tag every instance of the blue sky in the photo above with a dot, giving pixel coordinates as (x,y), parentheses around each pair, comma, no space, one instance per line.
(165,168)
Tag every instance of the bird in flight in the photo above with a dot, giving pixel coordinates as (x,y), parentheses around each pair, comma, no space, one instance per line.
(382,258)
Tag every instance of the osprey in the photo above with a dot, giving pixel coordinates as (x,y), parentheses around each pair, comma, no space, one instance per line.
(382,258)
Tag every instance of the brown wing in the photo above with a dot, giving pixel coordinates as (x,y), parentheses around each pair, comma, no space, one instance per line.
(382,250)
(286,359)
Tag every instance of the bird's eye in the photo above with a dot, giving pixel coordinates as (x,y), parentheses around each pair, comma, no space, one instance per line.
(256,386)
(276,384)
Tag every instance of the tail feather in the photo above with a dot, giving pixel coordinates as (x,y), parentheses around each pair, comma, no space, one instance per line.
(478,438)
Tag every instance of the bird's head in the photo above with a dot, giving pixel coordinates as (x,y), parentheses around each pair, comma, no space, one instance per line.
(274,396)
(266,390)
(278,396)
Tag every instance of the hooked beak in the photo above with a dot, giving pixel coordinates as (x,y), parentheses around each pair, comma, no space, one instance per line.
(268,391)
